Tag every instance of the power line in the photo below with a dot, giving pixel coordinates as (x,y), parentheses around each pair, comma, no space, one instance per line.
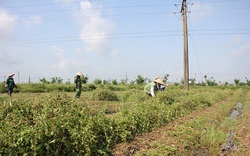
(127,35)
(75,17)
(124,14)
(112,7)
(130,6)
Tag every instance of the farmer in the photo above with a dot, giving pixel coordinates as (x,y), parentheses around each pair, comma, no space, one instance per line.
(157,84)
(10,84)
(78,84)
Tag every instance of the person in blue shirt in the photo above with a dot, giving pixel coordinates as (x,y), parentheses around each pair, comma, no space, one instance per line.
(10,84)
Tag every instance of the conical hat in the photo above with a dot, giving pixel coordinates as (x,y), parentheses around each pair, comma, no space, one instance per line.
(159,80)
(79,74)
(12,74)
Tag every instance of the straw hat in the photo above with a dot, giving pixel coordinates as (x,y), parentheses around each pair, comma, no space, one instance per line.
(158,77)
(79,74)
(12,74)
(160,81)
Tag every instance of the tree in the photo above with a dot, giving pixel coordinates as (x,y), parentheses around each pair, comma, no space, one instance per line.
(68,82)
(56,80)
(85,79)
(248,81)
(211,82)
(140,80)
(44,81)
(236,82)
(114,82)
(165,78)
(97,81)
(123,81)
(105,82)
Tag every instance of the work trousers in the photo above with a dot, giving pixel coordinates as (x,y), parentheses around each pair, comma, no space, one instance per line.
(78,92)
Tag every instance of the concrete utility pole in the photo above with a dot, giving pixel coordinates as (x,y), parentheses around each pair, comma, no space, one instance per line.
(186,64)
(18,74)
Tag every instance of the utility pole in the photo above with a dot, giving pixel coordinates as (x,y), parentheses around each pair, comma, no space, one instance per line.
(18,74)
(186,64)
(126,78)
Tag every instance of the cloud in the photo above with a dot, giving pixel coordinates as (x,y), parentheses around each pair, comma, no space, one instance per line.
(201,10)
(33,21)
(63,61)
(239,47)
(95,28)
(7,25)
(64,1)
(8,57)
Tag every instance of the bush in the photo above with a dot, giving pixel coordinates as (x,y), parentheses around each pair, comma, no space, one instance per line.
(2,88)
(103,95)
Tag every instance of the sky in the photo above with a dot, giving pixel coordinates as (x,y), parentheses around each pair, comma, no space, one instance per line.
(118,39)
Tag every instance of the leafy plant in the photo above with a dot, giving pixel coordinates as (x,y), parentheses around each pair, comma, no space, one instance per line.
(104,95)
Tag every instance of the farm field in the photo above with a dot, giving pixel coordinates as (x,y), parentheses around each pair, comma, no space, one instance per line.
(124,122)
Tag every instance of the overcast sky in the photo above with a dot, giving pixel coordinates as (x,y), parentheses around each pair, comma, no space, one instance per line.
(109,39)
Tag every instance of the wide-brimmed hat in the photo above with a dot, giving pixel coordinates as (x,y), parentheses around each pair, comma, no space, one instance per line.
(158,77)
(160,81)
(12,74)
(79,74)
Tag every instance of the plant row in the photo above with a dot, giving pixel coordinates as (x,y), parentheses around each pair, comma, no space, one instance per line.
(54,124)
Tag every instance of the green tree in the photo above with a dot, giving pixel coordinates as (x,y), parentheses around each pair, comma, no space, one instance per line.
(68,82)
(236,82)
(248,81)
(85,79)
(44,81)
(165,78)
(211,82)
(97,81)
(105,82)
(56,80)
(114,82)
(140,80)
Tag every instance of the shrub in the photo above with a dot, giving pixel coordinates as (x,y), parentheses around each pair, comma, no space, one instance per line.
(103,95)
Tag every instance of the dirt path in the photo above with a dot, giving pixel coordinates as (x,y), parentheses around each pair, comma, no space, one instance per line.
(242,130)
(147,141)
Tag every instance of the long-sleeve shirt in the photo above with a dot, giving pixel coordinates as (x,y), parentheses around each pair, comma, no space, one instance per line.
(10,82)
(149,88)
(78,82)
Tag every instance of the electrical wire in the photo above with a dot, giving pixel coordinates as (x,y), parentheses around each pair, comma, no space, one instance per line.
(164,62)
(195,49)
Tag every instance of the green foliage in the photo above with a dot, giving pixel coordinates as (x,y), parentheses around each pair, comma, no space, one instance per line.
(211,82)
(105,82)
(44,81)
(85,79)
(97,81)
(236,82)
(56,80)
(89,87)
(165,78)
(104,95)
(54,124)
(140,80)
(135,96)
(41,88)
(2,88)
(114,82)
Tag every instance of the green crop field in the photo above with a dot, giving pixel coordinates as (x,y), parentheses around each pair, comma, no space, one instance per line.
(53,123)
